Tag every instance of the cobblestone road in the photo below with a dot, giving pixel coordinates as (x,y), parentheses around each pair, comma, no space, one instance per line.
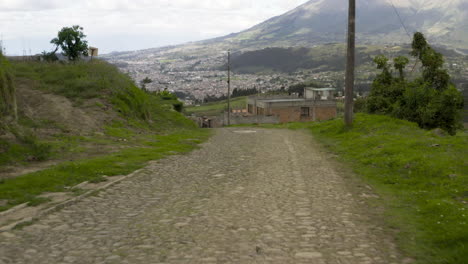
(247,196)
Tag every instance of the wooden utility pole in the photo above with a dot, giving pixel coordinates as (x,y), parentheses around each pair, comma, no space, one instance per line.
(229,88)
(349,83)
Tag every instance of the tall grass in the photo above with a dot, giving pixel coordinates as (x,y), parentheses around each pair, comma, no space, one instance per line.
(423,175)
(7,93)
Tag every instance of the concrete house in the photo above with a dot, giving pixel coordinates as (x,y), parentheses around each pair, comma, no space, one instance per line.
(317,104)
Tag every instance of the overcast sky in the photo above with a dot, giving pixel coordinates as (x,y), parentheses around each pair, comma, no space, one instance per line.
(118,25)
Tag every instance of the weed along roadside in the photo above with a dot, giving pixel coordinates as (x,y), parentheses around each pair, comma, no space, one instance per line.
(68,178)
(88,122)
(26,188)
(422,176)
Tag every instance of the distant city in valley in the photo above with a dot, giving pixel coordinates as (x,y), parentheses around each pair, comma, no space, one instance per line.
(196,77)
(309,48)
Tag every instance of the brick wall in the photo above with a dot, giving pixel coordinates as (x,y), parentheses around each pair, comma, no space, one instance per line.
(291,114)
(325,113)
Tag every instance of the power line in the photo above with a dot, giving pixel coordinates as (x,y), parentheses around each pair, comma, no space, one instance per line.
(399,18)
(406,29)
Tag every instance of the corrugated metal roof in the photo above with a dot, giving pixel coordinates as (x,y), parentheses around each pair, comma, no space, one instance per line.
(281,100)
(321,89)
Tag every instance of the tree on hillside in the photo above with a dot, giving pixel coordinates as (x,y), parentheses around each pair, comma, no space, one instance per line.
(144,82)
(244,92)
(8,108)
(400,63)
(430,100)
(71,41)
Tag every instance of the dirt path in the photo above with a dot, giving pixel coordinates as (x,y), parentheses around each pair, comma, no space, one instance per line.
(248,196)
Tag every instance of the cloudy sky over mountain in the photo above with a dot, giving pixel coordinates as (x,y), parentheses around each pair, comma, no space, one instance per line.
(116,25)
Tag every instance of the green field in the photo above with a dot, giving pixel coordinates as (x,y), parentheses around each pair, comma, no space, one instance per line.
(216,108)
(421,175)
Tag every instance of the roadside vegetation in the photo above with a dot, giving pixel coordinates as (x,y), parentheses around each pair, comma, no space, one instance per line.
(130,127)
(8,107)
(421,175)
(430,100)
(134,153)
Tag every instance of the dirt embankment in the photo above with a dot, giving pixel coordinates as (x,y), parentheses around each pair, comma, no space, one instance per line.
(82,117)
(49,116)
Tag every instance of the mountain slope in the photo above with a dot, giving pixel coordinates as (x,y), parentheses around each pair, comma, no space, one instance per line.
(317,22)
(323,21)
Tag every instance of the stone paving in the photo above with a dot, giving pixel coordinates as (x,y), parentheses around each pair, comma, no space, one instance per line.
(247,196)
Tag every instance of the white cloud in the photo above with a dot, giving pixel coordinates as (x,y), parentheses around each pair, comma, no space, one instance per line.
(148,23)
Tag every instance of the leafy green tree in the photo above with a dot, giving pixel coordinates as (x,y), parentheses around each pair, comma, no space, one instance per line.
(431,100)
(71,41)
(419,45)
(400,63)
(386,90)
(144,82)
(432,62)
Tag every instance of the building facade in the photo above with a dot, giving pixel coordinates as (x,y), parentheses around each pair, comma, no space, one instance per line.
(316,105)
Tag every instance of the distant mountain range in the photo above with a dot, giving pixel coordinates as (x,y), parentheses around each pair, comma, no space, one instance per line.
(317,22)
(445,22)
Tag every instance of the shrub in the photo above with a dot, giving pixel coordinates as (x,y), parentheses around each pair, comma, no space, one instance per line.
(178,106)
(26,148)
(360,105)
(431,100)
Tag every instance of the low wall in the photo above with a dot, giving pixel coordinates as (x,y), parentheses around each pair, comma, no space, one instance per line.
(246,120)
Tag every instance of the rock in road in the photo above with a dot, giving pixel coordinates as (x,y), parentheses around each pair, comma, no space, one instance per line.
(246,196)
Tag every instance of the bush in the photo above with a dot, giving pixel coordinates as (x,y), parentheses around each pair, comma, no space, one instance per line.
(431,100)
(178,106)
(360,105)
(26,148)
(166,95)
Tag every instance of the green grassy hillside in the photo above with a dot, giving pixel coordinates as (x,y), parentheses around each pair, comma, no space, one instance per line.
(87,120)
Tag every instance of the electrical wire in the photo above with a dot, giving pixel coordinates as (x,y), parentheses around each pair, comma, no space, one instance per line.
(406,29)
(400,19)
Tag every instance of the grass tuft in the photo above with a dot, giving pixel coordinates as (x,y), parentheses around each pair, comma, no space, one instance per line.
(59,178)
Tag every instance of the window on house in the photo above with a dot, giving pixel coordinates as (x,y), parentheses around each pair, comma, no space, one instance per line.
(260,111)
(305,111)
